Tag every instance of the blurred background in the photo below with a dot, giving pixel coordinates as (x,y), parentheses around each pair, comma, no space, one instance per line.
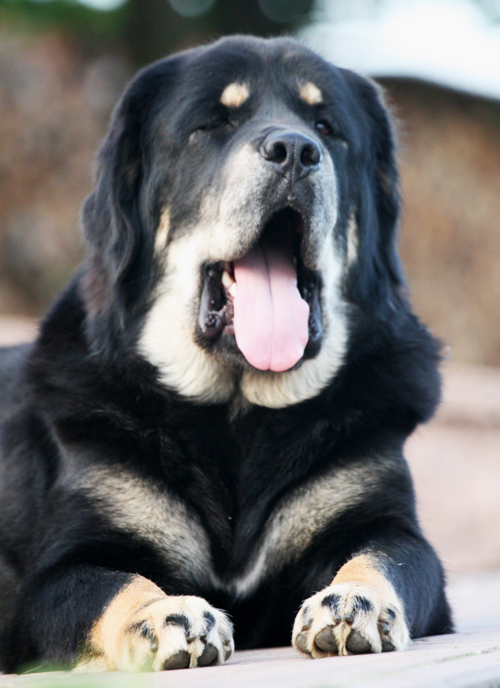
(63,64)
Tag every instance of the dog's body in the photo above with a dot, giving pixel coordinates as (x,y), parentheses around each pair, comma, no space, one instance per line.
(172,434)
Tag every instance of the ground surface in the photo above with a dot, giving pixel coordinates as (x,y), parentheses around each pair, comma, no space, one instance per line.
(458,661)
(456,466)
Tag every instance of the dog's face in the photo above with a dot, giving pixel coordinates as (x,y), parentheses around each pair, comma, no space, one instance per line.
(251,186)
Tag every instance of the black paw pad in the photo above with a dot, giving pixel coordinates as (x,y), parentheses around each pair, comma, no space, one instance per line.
(356,644)
(301,642)
(387,645)
(325,640)
(178,661)
(208,656)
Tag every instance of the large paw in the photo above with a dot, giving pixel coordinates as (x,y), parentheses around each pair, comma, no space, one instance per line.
(157,631)
(350,618)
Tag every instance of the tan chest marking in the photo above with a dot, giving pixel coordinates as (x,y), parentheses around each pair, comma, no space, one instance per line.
(304,514)
(137,506)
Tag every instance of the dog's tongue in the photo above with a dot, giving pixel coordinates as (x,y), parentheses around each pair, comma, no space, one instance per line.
(270,317)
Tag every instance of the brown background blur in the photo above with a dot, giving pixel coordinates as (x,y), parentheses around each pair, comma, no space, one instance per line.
(62,68)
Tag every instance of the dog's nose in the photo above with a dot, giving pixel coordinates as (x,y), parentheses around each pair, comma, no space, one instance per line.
(294,153)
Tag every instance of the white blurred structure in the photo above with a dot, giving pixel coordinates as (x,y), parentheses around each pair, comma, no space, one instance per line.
(450,42)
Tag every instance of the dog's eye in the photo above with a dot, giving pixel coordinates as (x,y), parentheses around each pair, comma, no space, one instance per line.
(218,122)
(323,127)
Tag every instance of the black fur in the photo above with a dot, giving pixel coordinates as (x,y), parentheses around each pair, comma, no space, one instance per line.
(84,395)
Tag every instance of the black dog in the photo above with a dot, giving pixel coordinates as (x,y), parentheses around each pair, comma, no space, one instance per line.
(216,407)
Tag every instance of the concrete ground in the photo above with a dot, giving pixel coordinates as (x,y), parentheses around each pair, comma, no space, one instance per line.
(459,661)
(455,461)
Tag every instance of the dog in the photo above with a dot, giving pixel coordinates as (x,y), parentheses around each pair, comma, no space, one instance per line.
(214,412)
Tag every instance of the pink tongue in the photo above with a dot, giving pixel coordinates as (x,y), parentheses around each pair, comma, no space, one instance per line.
(270,317)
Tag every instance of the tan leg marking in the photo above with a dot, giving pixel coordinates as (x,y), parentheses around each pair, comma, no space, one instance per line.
(363,570)
(143,628)
(359,612)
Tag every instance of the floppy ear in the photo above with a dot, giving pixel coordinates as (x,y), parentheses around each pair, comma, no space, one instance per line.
(117,222)
(377,282)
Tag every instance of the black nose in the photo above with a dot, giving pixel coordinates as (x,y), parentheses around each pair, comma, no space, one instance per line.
(295,154)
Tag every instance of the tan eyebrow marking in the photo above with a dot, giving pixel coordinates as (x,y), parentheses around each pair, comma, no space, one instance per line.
(310,93)
(234,95)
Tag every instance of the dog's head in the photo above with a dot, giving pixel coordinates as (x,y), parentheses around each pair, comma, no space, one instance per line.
(245,207)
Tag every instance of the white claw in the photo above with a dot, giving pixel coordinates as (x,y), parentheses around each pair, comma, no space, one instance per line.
(227,279)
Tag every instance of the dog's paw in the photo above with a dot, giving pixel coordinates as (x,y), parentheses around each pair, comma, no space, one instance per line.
(349,618)
(176,633)
(144,629)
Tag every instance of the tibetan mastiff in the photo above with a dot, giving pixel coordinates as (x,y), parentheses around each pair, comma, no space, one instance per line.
(214,412)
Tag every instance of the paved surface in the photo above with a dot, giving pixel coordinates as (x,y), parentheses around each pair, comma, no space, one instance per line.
(459,661)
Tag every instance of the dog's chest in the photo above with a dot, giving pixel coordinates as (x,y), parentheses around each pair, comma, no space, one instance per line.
(233,543)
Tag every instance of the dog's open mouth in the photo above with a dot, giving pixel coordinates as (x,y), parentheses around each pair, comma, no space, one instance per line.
(267,300)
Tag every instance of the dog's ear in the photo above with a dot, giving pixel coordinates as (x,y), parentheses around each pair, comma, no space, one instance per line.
(377,282)
(118,224)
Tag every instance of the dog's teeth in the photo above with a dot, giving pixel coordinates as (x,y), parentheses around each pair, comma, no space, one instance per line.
(233,289)
(227,280)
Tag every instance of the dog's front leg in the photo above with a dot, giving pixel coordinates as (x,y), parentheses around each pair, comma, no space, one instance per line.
(103,620)
(376,602)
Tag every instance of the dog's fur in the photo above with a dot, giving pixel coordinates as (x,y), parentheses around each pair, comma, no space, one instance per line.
(147,470)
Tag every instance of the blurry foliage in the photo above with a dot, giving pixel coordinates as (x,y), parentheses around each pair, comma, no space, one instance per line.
(95,29)
(151,29)
(156,28)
